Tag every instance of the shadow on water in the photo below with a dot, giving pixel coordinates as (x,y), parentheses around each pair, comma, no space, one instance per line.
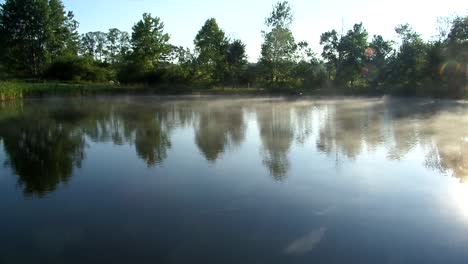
(46,142)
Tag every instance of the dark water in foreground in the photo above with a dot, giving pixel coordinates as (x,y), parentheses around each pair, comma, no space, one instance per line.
(147,180)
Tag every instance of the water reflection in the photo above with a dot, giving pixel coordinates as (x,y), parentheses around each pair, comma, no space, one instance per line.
(41,150)
(277,135)
(219,126)
(46,141)
(348,126)
(148,128)
(446,137)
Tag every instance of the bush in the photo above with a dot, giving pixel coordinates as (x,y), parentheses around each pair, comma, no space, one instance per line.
(131,73)
(78,69)
(167,75)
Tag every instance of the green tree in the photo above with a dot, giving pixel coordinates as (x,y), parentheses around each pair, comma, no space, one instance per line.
(330,42)
(112,44)
(281,16)
(376,57)
(352,52)
(279,47)
(101,43)
(181,66)
(211,46)
(411,61)
(308,72)
(117,45)
(62,30)
(23,31)
(458,56)
(33,33)
(94,44)
(88,44)
(124,44)
(149,42)
(236,60)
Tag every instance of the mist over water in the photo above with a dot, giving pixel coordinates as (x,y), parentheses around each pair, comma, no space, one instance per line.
(245,180)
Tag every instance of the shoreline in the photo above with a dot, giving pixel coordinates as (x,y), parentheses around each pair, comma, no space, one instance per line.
(15,90)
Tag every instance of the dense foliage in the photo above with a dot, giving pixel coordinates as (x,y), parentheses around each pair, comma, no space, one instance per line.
(39,40)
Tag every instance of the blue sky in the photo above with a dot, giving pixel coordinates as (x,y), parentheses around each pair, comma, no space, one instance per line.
(244,18)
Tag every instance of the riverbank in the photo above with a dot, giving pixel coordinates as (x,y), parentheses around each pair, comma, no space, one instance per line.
(14,90)
(19,90)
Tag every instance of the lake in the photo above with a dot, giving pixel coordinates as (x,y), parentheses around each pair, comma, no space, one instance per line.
(233,180)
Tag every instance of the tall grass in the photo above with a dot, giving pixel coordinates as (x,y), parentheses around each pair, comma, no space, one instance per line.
(11,91)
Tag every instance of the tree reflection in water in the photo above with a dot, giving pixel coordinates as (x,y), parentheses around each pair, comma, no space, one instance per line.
(277,135)
(42,151)
(45,142)
(219,126)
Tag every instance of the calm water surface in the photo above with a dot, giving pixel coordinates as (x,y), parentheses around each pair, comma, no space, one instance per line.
(212,180)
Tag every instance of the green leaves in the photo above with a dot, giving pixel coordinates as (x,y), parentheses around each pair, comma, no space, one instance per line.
(149,42)
(281,16)
(34,33)
(236,60)
(279,46)
(211,46)
(109,47)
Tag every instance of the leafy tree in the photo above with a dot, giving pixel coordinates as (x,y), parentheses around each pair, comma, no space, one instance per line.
(236,60)
(281,16)
(101,42)
(117,45)
(459,31)
(183,66)
(308,72)
(211,46)
(352,51)
(62,30)
(411,60)
(149,42)
(377,59)
(330,42)
(124,45)
(88,44)
(304,52)
(279,47)
(23,31)
(345,55)
(458,56)
(94,44)
(112,44)
(35,32)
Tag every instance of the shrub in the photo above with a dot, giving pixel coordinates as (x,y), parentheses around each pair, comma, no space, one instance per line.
(78,69)
(131,73)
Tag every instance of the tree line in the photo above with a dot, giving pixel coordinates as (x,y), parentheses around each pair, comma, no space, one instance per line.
(39,39)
